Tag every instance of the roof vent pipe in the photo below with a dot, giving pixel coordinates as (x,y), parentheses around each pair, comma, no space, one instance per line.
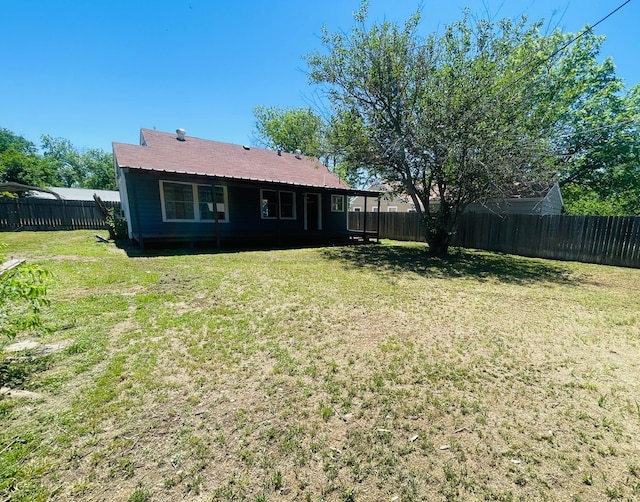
(180,133)
(279,152)
(298,153)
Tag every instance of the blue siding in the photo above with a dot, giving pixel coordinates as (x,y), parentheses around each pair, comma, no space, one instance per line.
(244,212)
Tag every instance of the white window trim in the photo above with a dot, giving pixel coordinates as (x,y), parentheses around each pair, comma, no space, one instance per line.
(279,207)
(392,209)
(196,209)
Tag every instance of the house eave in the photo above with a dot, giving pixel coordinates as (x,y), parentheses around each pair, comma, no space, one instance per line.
(345,189)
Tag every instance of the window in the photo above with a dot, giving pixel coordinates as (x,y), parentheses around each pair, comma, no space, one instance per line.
(269,207)
(191,202)
(357,209)
(178,201)
(274,203)
(337,203)
(287,205)
(392,209)
(205,200)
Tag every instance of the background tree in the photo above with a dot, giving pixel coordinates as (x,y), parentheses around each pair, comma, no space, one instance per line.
(92,168)
(344,138)
(100,173)
(293,128)
(60,163)
(61,154)
(20,162)
(598,151)
(289,129)
(461,117)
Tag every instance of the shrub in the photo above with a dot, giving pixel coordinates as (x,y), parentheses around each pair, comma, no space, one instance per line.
(23,291)
(117,226)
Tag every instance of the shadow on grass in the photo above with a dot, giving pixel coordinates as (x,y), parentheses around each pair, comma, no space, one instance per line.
(15,372)
(205,247)
(394,259)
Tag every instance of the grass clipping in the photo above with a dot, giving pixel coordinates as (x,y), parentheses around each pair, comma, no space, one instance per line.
(356,373)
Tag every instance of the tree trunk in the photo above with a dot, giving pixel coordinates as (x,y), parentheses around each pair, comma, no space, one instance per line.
(438,241)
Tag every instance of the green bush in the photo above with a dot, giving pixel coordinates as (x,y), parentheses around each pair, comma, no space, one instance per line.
(117,226)
(23,291)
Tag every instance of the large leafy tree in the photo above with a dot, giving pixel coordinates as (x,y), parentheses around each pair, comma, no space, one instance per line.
(454,118)
(289,129)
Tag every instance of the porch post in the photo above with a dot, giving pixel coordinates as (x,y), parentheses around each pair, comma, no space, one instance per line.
(215,214)
(378,225)
(364,224)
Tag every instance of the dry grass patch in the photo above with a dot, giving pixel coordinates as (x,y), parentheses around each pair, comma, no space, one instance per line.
(358,373)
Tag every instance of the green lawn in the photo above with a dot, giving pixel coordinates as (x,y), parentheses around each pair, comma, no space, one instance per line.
(339,373)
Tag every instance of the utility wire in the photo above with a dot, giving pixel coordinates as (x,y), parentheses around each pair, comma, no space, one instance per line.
(583,32)
(535,65)
(586,30)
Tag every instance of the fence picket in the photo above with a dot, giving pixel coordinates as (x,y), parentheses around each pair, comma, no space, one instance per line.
(51,214)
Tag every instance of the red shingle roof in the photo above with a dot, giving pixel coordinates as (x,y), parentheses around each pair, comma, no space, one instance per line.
(161,151)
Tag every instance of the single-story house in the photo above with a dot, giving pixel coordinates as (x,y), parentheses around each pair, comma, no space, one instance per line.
(534,199)
(178,188)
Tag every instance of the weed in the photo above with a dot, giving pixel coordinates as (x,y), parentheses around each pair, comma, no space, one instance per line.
(140,495)
(276,480)
(325,412)
(614,492)
(348,495)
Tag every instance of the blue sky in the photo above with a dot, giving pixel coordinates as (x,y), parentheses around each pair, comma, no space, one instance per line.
(96,71)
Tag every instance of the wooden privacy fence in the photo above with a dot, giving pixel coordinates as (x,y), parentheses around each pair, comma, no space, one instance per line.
(609,240)
(51,214)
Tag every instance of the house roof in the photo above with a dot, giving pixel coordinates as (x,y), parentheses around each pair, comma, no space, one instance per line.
(164,152)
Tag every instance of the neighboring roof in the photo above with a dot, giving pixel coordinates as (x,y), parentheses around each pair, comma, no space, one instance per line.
(85,194)
(12,186)
(164,152)
(528,190)
(532,189)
